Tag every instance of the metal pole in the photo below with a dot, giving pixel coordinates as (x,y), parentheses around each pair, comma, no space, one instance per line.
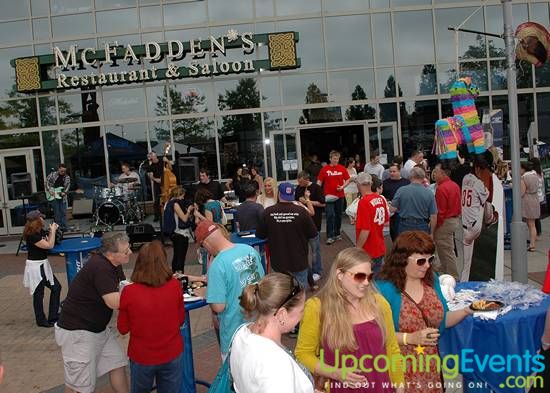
(518,228)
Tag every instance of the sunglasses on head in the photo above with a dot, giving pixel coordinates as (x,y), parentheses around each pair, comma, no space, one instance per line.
(360,277)
(422,260)
(296,289)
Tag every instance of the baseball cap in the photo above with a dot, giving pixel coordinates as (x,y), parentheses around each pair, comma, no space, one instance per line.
(34,214)
(286,191)
(204,229)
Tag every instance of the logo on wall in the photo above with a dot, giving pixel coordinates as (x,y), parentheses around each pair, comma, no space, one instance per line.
(153,61)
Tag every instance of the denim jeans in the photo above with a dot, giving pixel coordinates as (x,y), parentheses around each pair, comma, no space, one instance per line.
(300,276)
(38,299)
(315,245)
(334,217)
(60,213)
(412,224)
(168,376)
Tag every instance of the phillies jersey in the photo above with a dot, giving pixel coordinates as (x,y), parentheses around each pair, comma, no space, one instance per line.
(473,198)
(332,177)
(372,214)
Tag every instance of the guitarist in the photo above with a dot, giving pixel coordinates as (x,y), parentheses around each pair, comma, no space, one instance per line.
(155,171)
(57,185)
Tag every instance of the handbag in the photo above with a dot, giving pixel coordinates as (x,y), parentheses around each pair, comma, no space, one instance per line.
(223,381)
(351,210)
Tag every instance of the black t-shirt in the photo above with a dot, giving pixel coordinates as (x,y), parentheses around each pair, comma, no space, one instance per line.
(317,195)
(313,169)
(287,228)
(458,173)
(214,187)
(391,186)
(60,181)
(35,253)
(84,307)
(158,171)
(249,214)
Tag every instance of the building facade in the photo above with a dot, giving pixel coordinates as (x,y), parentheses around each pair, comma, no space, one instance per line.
(372,75)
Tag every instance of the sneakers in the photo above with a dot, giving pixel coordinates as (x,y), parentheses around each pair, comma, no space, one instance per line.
(316,277)
(339,237)
(330,240)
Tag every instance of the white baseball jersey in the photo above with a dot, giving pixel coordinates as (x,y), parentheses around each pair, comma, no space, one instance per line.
(473,198)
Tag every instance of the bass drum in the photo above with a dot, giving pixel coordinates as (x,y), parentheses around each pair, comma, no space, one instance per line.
(110,212)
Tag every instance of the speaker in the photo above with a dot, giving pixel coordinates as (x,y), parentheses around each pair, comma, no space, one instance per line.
(141,233)
(21,184)
(188,169)
(83,207)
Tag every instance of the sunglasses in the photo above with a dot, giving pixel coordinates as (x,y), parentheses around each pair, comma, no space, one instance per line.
(360,277)
(296,289)
(422,261)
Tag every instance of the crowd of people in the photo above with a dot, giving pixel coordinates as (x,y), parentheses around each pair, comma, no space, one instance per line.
(373,300)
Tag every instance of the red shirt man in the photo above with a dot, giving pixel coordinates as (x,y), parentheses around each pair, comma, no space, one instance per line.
(372,215)
(334,177)
(447,198)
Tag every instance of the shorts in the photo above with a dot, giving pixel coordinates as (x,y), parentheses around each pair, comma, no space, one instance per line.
(87,356)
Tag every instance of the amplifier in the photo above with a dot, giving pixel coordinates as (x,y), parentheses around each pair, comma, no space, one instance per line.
(141,233)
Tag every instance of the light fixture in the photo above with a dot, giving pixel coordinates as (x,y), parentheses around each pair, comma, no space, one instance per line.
(267,141)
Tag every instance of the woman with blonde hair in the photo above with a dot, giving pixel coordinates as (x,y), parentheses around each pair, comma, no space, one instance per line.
(269,195)
(349,317)
(259,361)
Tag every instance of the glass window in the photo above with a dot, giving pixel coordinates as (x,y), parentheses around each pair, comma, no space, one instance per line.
(185,13)
(18,114)
(220,10)
(499,80)
(151,17)
(380,3)
(85,162)
(471,46)
(414,37)
(271,93)
(388,112)
(310,48)
(148,37)
(351,85)
(386,84)
(237,94)
(543,108)
(264,8)
(190,98)
(540,13)
(417,125)
(123,103)
(360,112)
(542,75)
(126,142)
(48,113)
(232,54)
(495,25)
(342,48)
(304,89)
(69,6)
(525,117)
(383,51)
(293,7)
(41,29)
(12,32)
(241,142)
(117,21)
(50,143)
(524,75)
(72,25)
(157,103)
(101,4)
(7,73)
(397,3)
(14,9)
(345,5)
(273,121)
(417,80)
(40,7)
(478,72)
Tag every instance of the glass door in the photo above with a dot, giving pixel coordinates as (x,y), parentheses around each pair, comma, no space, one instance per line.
(4,211)
(286,156)
(383,137)
(18,180)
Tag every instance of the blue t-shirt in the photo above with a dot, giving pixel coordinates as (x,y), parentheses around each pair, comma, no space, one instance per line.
(230,272)
(415,201)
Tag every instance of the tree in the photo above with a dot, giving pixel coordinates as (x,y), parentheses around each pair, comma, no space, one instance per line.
(360,112)
(314,95)
(428,80)
(389,112)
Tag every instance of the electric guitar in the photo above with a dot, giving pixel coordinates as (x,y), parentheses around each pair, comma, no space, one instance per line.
(54,193)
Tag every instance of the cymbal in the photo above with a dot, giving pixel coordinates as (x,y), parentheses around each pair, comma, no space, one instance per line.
(127,180)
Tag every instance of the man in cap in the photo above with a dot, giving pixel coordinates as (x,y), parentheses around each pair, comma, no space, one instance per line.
(233,268)
(288,227)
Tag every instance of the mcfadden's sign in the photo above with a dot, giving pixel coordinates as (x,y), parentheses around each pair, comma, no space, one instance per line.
(90,67)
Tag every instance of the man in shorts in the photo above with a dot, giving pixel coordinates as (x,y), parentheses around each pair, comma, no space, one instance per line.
(89,347)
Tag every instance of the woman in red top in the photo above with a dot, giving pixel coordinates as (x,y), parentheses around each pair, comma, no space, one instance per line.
(151,310)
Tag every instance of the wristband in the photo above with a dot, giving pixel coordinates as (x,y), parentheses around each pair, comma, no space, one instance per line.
(405,339)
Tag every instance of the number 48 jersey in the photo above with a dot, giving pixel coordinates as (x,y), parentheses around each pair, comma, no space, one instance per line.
(473,198)
(372,215)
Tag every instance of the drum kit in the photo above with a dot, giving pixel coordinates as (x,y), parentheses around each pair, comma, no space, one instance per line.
(118,204)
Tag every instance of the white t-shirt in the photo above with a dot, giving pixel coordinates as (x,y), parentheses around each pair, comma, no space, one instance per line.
(259,365)
(376,169)
(410,164)
(351,188)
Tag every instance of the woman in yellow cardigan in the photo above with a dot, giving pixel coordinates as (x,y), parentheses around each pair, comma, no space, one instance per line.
(347,336)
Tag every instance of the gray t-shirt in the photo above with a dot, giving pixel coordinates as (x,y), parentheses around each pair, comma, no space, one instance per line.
(415,201)
(249,215)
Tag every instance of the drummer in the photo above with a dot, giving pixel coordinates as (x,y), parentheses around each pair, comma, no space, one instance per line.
(129,180)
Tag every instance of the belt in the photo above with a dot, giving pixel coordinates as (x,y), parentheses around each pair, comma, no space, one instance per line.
(414,219)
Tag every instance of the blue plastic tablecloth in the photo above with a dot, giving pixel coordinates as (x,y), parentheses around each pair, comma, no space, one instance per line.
(514,333)
(189,381)
(76,252)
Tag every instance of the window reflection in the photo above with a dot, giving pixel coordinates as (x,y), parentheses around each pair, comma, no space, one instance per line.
(117,21)
(542,75)
(310,48)
(68,6)
(100,4)
(14,9)
(383,52)
(540,13)
(47,110)
(7,75)
(50,143)
(237,94)
(295,88)
(495,25)
(123,103)
(189,98)
(150,17)
(38,7)
(12,32)
(220,10)
(414,37)
(41,29)
(379,3)
(18,114)
(264,8)
(354,85)
(293,7)
(470,45)
(345,5)
(397,3)
(386,85)
(343,50)
(417,80)
(271,95)
(543,109)
(417,125)
(157,104)
(72,25)
(526,116)
(185,13)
